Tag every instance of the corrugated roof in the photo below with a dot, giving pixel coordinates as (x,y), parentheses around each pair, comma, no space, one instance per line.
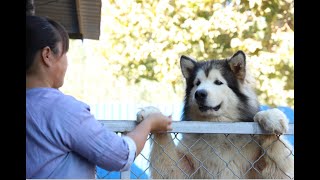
(81,18)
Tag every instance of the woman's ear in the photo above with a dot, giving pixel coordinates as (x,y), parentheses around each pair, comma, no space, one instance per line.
(47,56)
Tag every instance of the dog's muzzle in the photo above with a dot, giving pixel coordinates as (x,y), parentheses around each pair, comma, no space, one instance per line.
(201,96)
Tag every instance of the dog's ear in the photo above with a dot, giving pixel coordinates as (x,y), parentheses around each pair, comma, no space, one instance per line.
(237,64)
(187,64)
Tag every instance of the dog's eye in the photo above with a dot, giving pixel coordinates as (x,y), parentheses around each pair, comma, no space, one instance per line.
(217,82)
(198,83)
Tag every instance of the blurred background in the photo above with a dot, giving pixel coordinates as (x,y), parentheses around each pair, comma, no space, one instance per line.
(136,59)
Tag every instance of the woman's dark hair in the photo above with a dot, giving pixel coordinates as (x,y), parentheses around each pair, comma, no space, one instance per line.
(42,32)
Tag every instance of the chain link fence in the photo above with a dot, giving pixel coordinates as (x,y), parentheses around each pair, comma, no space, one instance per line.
(208,150)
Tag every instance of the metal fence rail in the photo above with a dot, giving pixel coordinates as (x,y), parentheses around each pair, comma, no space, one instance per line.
(197,127)
(181,127)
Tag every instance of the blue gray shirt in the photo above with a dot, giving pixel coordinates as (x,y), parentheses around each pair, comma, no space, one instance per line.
(64,140)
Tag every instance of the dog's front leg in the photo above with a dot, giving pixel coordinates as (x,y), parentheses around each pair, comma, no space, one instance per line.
(278,160)
(163,155)
(164,158)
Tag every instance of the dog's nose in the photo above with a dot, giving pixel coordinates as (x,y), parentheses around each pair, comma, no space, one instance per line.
(201,95)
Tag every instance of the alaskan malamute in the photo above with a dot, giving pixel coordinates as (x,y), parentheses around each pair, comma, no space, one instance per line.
(222,91)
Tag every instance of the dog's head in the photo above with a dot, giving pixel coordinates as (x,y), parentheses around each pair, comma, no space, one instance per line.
(218,90)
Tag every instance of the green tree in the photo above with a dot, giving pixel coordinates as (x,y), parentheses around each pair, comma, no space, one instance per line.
(144,39)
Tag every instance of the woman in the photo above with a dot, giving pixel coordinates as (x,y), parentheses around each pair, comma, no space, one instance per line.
(63,139)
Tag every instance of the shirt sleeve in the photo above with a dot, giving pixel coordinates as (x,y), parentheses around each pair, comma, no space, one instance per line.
(132,150)
(83,134)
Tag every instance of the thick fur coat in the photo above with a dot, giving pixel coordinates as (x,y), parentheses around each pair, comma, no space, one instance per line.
(222,91)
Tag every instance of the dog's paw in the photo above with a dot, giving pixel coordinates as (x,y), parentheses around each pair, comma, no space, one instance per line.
(273,120)
(145,112)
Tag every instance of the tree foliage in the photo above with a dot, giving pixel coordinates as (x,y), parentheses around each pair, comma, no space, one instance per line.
(145,39)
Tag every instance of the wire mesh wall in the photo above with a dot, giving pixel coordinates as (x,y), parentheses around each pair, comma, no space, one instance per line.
(209,150)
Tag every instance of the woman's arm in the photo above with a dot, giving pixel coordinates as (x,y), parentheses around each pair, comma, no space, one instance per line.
(155,122)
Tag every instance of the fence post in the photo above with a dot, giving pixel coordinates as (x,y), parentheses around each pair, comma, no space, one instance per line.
(125,174)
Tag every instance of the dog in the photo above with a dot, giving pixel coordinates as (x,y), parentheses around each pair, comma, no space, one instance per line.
(222,90)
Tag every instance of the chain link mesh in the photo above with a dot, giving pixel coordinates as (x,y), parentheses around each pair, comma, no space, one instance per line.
(212,156)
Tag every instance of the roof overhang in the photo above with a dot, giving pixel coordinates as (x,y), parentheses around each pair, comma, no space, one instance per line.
(81,18)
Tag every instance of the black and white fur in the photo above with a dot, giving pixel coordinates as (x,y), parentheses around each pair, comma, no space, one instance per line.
(222,91)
